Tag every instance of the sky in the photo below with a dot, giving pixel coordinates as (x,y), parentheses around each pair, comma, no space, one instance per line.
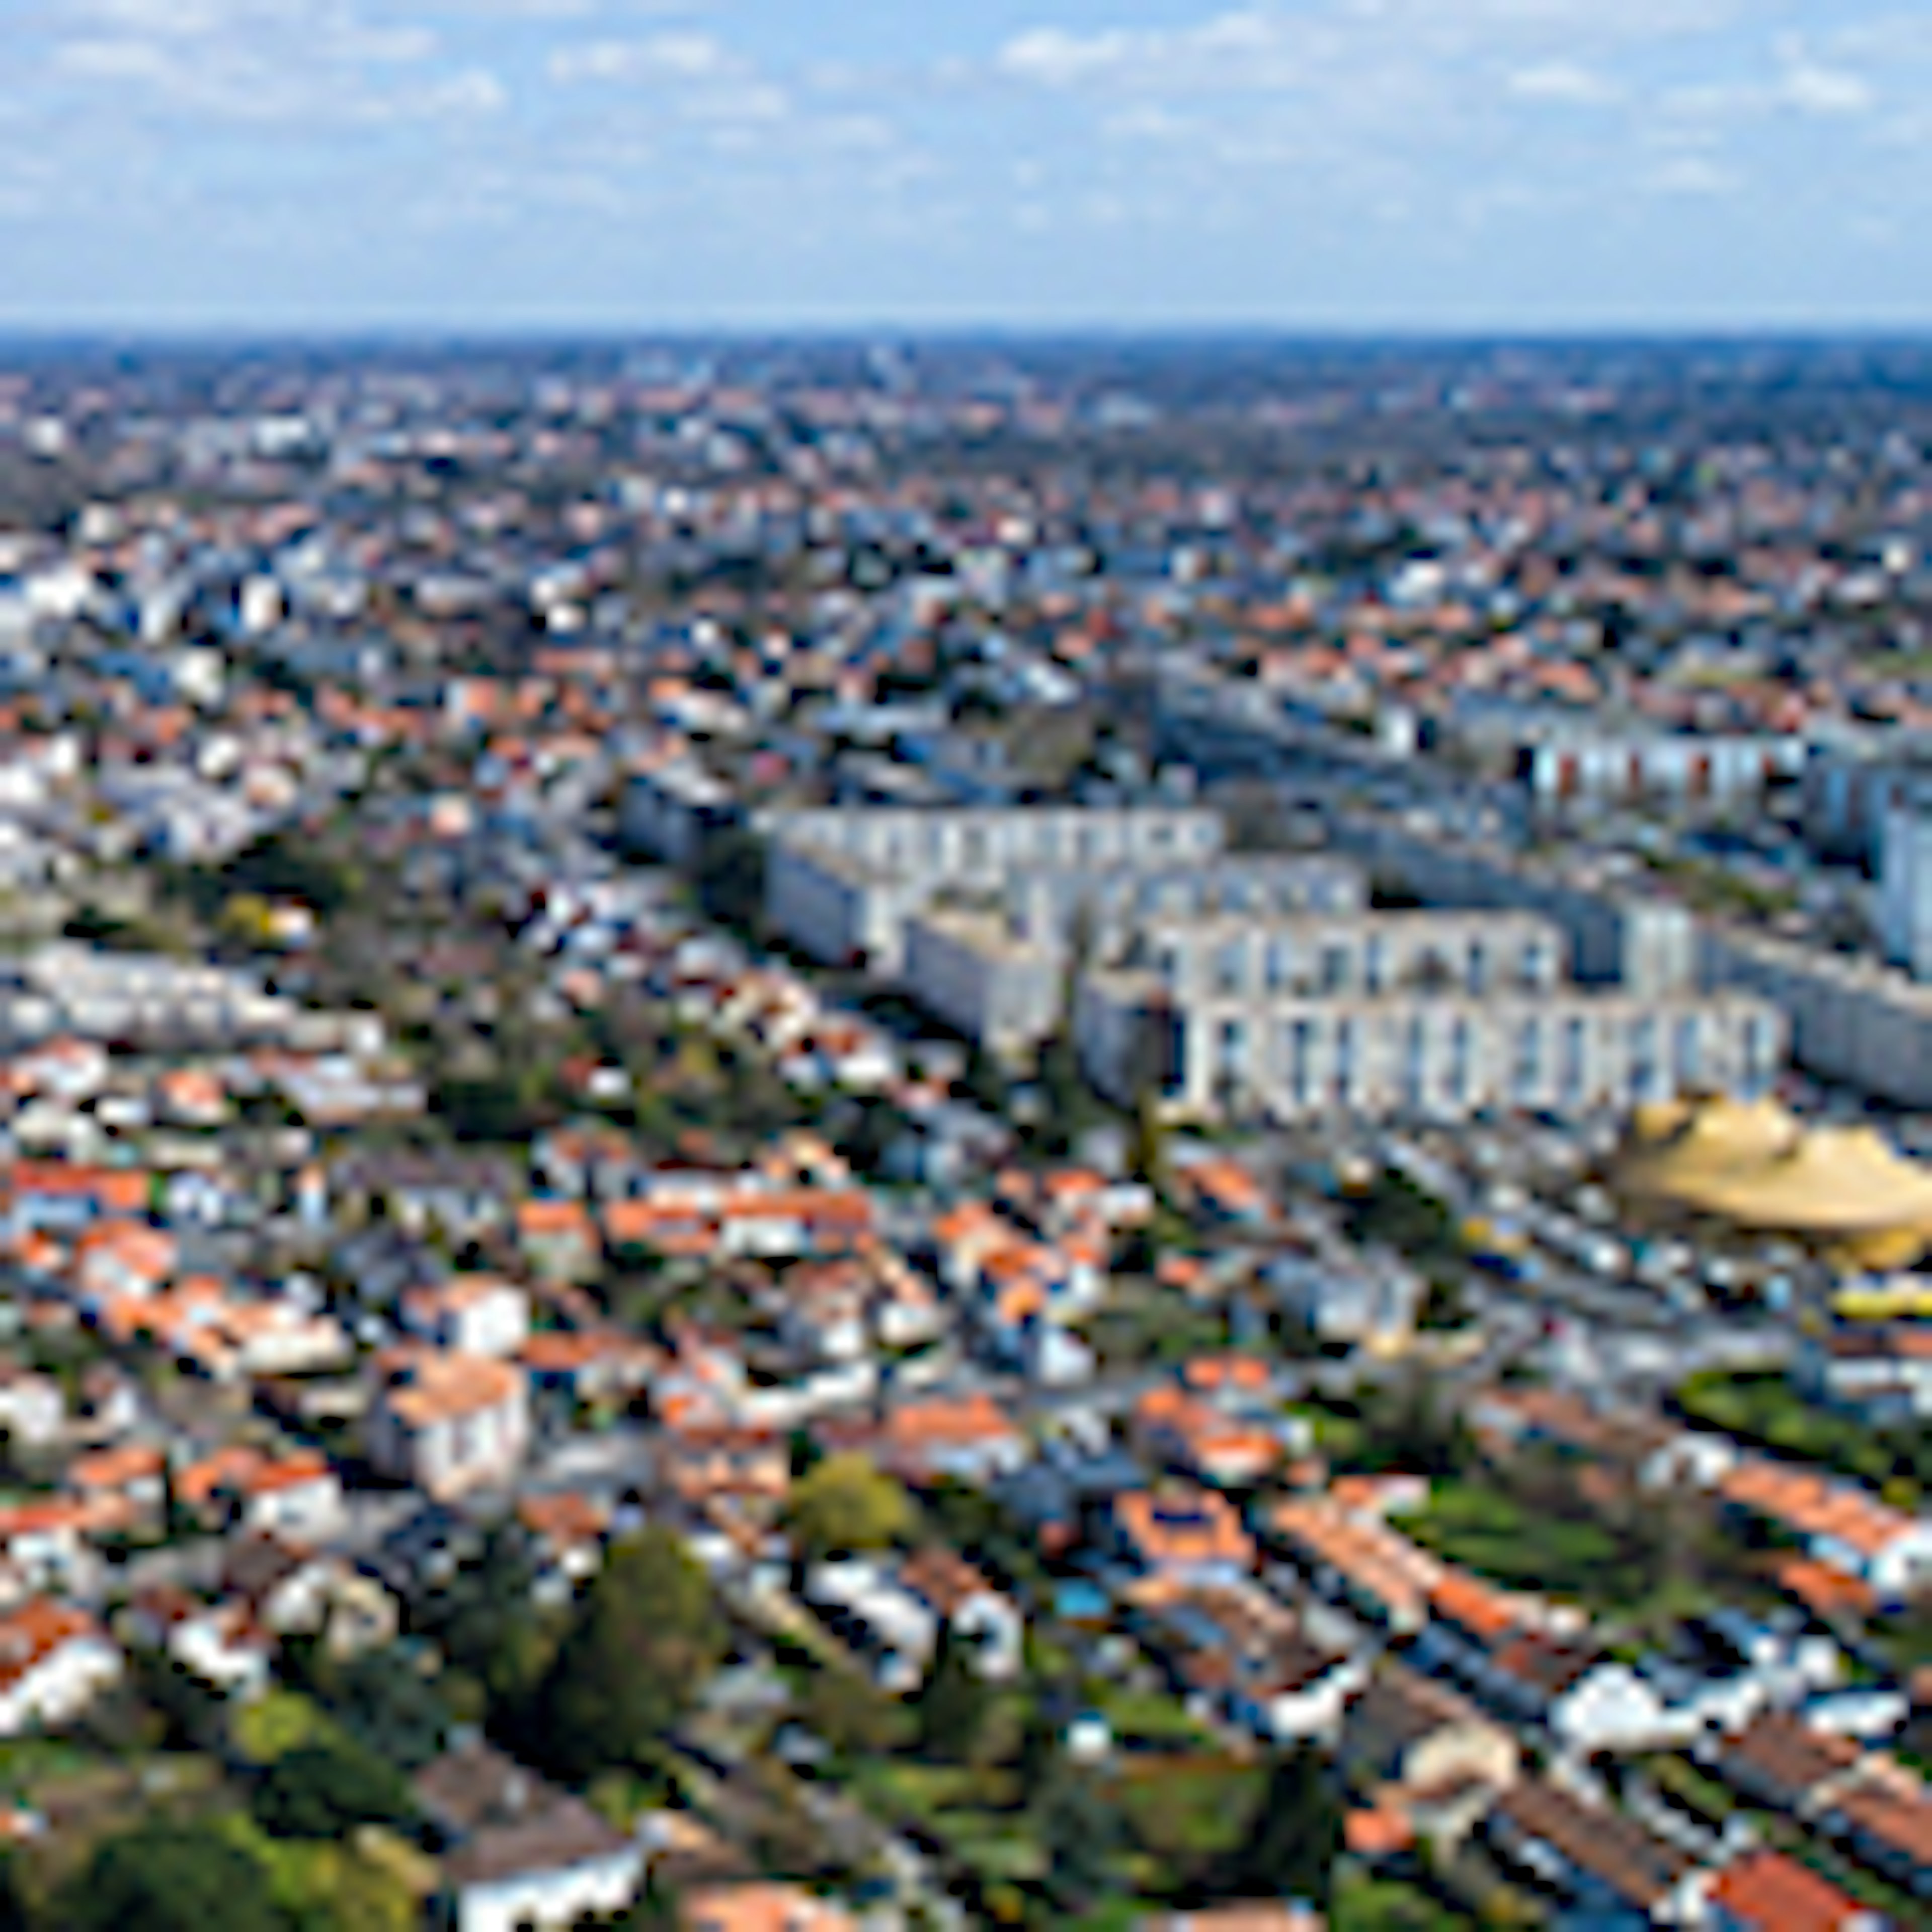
(1524,165)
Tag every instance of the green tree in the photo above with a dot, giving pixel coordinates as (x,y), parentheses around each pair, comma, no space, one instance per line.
(647,1638)
(14,1916)
(845,1708)
(168,1878)
(390,1708)
(482,1617)
(952,1703)
(848,1504)
(1147,1156)
(1084,1838)
(1295,1835)
(325,1790)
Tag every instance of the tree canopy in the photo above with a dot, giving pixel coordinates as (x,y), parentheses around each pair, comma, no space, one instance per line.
(647,1637)
(1294,1836)
(325,1790)
(848,1503)
(169,1878)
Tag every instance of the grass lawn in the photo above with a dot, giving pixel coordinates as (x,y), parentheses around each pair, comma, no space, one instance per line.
(1190,1816)
(1117,1914)
(1150,1720)
(1711,1801)
(1343,1439)
(1365,1904)
(1485,1531)
(1764,1409)
(1576,1559)
(919,1791)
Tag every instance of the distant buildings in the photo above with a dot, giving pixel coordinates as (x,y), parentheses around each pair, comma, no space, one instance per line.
(1380,1013)
(841,886)
(1905,883)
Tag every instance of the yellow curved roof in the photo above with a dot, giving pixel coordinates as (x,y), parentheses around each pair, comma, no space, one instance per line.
(1752,1164)
(1656,1121)
(1835,1180)
(1711,1138)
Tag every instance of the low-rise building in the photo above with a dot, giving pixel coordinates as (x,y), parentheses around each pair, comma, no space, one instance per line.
(449,1424)
(55,1661)
(1596,1859)
(517,1852)
(470,1314)
(759,1907)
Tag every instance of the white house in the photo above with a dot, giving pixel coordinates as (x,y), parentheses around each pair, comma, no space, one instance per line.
(54,1660)
(470,1314)
(519,1852)
(32,1409)
(449,1423)
(986,1619)
(894,1630)
(219,1643)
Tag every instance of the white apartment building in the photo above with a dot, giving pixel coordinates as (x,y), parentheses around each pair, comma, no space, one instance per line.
(1905,883)
(1399,1013)
(997,974)
(840,884)
(668,811)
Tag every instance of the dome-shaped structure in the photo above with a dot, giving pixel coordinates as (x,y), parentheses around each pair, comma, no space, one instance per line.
(1836,1180)
(1655,1121)
(1711,1139)
(1752,1164)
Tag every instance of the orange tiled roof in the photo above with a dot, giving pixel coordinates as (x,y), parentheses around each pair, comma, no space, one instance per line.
(115,1468)
(35,1632)
(552,1217)
(565,1517)
(433,1387)
(1766,1891)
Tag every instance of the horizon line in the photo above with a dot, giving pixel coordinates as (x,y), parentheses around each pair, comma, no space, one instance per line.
(599,334)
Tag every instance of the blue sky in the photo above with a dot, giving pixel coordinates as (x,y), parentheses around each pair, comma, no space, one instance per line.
(1425,164)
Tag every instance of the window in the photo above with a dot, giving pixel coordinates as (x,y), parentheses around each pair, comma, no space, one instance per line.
(1571,1074)
(1415,1063)
(1689,1053)
(1526,1077)
(1178,1064)
(1476,968)
(1301,1063)
(1345,1062)
(1375,963)
(1230,962)
(1459,1061)
(1643,1063)
(1280,965)
(1336,963)
(1232,1050)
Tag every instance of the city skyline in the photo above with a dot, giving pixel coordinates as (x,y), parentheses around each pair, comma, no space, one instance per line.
(1375,165)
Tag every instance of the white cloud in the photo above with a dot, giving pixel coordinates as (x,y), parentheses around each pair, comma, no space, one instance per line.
(671,56)
(1057,59)
(1814,88)
(1562,82)
(265,63)
(1692,175)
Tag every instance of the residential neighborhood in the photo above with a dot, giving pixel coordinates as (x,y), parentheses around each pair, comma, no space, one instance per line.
(782,1151)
